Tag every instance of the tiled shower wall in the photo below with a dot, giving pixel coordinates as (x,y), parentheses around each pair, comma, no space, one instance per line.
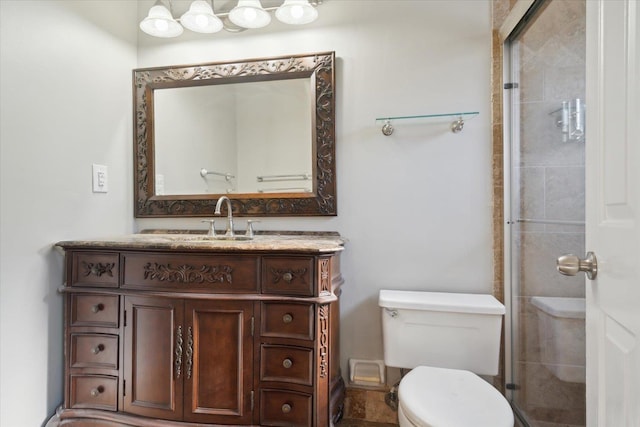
(552,67)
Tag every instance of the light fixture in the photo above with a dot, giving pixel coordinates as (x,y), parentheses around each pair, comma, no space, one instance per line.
(160,23)
(249,14)
(296,12)
(200,18)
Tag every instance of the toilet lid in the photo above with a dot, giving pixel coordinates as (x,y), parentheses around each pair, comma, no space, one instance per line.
(438,397)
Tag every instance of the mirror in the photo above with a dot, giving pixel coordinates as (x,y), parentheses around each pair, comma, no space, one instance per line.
(233,138)
(261,131)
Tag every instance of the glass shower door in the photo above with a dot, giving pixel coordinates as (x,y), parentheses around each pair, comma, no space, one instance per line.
(546,218)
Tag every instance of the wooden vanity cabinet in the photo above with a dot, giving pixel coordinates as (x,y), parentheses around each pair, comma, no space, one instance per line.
(170,338)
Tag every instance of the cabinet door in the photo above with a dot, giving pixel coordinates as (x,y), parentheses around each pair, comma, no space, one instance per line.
(218,362)
(153,355)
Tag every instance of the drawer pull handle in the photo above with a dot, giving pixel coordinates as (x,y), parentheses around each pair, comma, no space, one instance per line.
(97,391)
(287,277)
(287,318)
(287,363)
(97,307)
(97,349)
(286,408)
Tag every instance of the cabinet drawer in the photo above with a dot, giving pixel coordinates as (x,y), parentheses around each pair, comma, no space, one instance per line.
(94,391)
(286,364)
(288,276)
(95,269)
(94,351)
(287,320)
(228,274)
(285,408)
(94,310)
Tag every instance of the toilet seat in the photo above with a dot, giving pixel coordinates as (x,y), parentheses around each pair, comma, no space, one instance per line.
(439,397)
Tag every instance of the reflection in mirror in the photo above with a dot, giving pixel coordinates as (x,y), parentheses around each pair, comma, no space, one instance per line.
(233,138)
(260,130)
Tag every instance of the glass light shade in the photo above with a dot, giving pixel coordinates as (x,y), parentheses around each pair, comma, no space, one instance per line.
(249,14)
(200,18)
(160,23)
(296,12)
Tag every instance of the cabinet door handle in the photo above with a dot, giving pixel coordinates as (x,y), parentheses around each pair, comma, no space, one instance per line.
(287,277)
(287,363)
(287,318)
(97,349)
(97,307)
(189,355)
(178,352)
(286,408)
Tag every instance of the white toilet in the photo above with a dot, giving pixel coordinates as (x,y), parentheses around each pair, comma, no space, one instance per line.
(446,339)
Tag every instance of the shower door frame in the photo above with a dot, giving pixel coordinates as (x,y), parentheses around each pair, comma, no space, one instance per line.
(511,122)
(516,21)
(511,139)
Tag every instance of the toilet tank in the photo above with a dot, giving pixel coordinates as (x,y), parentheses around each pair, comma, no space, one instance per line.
(447,330)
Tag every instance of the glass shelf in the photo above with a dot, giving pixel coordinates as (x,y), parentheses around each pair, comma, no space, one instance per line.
(456,125)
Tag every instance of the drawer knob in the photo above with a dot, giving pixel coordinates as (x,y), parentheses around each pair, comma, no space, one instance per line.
(97,349)
(286,408)
(97,307)
(287,277)
(97,391)
(287,318)
(287,363)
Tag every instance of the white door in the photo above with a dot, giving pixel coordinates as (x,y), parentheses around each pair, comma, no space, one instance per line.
(613,212)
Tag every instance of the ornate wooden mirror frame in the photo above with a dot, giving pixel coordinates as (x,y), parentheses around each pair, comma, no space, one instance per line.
(318,67)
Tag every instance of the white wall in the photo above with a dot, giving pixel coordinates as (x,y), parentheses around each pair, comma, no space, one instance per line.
(415,206)
(65,104)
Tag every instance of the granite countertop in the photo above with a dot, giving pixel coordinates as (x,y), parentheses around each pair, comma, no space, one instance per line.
(197,240)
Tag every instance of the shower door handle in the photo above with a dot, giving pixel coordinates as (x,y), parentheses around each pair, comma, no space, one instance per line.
(570,265)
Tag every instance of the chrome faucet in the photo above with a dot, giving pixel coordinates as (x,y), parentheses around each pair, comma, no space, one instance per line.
(229,214)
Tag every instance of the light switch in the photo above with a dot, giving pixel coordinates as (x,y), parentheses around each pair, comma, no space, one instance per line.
(100,179)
